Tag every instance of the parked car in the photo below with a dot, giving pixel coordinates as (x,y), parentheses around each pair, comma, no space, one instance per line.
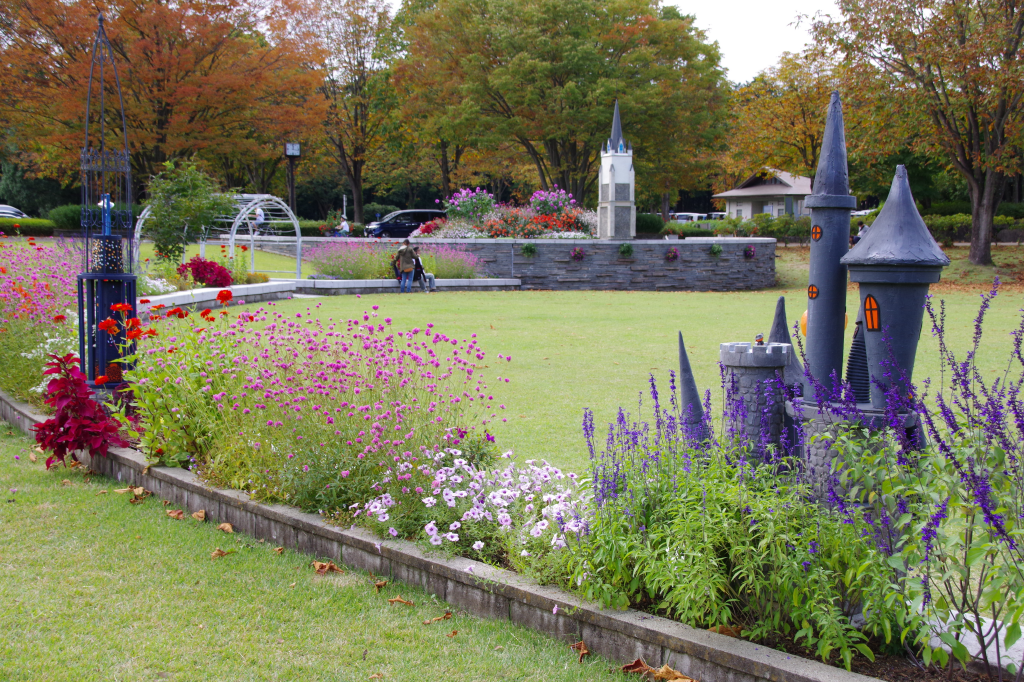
(402,223)
(718,215)
(10,212)
(689,217)
(861,213)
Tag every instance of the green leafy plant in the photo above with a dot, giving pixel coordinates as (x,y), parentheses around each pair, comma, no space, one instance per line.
(185,204)
(625,250)
(528,249)
(649,223)
(715,250)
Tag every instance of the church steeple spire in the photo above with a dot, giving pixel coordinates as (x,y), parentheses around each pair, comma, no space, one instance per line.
(615,142)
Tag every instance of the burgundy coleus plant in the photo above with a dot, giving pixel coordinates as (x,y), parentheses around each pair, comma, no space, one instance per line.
(79,423)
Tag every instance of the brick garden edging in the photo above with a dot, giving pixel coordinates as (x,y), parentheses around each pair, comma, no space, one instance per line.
(621,636)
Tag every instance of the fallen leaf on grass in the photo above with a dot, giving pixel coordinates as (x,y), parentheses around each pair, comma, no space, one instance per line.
(74,463)
(226,527)
(292,585)
(102,492)
(580,647)
(499,648)
(65,482)
(218,553)
(176,514)
(377,676)
(637,666)
(726,630)
(166,502)
(279,550)
(447,616)
(454,632)
(199,515)
(32,457)
(399,600)
(667,673)
(122,491)
(379,584)
(201,626)
(323,568)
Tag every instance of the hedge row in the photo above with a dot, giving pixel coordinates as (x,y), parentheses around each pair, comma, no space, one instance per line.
(29,227)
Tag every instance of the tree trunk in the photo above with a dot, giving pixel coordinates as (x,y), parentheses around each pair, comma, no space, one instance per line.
(984,201)
(446,171)
(664,206)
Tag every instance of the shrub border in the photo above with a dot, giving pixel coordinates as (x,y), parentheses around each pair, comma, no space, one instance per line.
(476,587)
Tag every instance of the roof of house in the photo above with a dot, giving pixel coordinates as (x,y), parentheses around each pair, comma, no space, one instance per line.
(770,183)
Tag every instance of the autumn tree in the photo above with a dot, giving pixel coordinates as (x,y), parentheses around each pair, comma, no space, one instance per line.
(545,73)
(957,64)
(197,76)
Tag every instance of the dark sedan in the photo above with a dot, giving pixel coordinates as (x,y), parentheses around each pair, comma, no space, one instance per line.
(402,223)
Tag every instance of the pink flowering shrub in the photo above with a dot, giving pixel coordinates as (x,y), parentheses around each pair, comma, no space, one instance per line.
(208,272)
(300,409)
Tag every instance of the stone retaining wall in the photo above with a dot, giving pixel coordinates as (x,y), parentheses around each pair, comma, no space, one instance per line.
(647,269)
(482,590)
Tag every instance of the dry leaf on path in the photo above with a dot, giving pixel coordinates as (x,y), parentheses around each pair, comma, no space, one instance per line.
(218,553)
(580,647)
(379,584)
(447,616)
(226,527)
(454,632)
(399,600)
(323,568)
(199,515)
(279,550)
(176,514)
(726,630)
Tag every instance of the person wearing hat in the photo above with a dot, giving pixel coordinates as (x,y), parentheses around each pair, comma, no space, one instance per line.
(426,279)
(406,266)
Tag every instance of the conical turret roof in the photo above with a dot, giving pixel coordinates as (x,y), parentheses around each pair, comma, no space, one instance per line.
(616,138)
(690,405)
(832,180)
(898,236)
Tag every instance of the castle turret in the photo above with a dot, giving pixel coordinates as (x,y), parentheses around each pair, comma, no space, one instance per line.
(894,264)
(830,205)
(616,206)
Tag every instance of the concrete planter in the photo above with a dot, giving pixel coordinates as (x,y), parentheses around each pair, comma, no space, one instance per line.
(621,636)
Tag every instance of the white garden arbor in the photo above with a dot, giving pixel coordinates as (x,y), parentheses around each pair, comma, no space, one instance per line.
(253,215)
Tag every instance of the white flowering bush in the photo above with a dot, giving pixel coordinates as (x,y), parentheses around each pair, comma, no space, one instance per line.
(509,516)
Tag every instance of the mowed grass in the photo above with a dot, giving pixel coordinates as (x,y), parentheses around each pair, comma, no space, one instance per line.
(598,349)
(94,588)
(273,264)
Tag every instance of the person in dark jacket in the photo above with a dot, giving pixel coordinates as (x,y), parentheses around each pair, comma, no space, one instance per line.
(406,266)
(426,279)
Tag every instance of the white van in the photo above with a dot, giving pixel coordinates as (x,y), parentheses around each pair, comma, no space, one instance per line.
(689,217)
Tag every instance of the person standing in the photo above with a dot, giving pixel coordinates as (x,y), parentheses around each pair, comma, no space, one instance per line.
(426,279)
(406,266)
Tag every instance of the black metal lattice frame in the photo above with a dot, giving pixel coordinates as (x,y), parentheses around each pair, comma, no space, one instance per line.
(107,261)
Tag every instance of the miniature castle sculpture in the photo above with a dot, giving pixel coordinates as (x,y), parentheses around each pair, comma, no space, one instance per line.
(616,200)
(830,204)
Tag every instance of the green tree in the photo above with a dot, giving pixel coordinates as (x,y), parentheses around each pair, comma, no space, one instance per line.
(185,204)
(545,73)
(956,67)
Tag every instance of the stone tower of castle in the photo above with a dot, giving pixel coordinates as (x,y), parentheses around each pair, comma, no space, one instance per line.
(616,206)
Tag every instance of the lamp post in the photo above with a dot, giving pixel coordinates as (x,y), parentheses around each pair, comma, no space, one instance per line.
(292,152)
(106,217)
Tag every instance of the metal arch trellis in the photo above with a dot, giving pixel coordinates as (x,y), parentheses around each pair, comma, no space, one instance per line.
(275,221)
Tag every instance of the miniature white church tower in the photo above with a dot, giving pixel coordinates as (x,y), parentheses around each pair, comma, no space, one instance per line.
(616,205)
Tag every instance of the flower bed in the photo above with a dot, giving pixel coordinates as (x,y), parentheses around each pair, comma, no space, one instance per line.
(475,215)
(366,260)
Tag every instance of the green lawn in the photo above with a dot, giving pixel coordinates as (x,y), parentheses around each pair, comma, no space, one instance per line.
(597,349)
(275,265)
(94,588)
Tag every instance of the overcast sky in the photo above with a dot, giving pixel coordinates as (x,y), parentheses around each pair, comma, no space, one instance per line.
(753,33)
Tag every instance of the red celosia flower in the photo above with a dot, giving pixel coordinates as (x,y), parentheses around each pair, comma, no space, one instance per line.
(180,313)
(205,312)
(101,379)
(224,296)
(144,301)
(134,334)
(121,307)
(59,318)
(132,323)
(108,325)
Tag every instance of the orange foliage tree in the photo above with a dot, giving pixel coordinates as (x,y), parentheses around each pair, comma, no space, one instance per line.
(208,77)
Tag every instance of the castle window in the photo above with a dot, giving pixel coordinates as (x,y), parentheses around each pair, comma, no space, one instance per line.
(812,291)
(816,232)
(871,316)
